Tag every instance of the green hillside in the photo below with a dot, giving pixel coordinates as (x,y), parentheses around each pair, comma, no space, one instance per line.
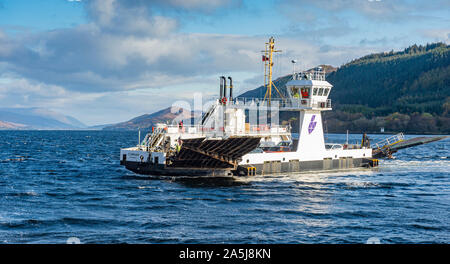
(414,80)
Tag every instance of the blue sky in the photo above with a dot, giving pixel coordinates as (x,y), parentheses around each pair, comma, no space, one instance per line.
(40,15)
(105,61)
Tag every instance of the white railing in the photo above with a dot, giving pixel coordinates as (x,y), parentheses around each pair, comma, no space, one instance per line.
(317,75)
(287,103)
(229,131)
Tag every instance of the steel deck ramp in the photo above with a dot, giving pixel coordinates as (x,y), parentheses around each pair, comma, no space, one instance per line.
(213,153)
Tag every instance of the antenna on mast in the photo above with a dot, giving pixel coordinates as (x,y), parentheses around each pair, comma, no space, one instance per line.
(267,58)
(293,66)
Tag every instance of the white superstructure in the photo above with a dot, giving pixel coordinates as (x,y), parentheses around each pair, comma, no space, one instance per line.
(308,95)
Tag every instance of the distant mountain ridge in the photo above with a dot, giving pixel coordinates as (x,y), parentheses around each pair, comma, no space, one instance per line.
(10,125)
(148,120)
(36,118)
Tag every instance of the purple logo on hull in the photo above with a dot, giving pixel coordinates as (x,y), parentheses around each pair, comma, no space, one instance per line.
(312,124)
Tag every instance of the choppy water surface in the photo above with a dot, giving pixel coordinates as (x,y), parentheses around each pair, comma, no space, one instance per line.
(60,184)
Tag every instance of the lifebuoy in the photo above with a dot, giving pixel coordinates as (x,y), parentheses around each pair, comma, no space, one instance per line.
(224,100)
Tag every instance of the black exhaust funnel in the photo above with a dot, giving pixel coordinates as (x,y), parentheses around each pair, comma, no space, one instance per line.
(221,87)
(231,88)
(224,86)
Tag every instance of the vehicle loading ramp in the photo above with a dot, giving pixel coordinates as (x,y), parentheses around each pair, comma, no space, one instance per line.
(213,153)
(388,150)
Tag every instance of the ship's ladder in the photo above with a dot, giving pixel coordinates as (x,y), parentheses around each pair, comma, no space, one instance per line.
(208,114)
(388,142)
(156,137)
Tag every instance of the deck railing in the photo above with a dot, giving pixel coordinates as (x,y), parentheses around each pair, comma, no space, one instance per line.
(281,103)
(229,131)
(390,141)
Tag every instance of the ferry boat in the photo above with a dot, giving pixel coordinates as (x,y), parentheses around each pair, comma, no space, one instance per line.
(231,139)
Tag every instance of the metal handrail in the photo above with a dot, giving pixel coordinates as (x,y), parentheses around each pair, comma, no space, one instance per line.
(390,141)
(290,103)
(248,130)
(318,75)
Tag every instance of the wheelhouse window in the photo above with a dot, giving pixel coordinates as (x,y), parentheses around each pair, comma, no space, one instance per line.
(320,91)
(295,92)
(315,91)
(325,92)
(305,92)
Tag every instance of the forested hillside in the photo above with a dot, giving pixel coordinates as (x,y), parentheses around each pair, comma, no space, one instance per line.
(401,91)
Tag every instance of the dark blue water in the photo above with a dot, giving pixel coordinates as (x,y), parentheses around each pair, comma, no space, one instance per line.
(60,184)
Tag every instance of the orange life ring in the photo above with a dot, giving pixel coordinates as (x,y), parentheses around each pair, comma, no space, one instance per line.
(224,100)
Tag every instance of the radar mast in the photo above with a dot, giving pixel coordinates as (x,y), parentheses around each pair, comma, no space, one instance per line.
(268,65)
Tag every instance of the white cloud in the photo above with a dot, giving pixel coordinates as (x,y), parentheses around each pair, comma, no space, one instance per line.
(437,34)
(370,8)
(199,4)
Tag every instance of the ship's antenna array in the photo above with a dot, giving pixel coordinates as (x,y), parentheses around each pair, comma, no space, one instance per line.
(267,58)
(293,66)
